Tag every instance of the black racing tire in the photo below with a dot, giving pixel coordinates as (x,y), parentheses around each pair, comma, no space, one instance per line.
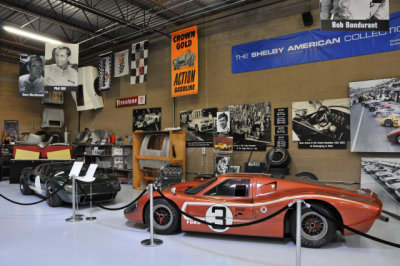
(307,175)
(316,230)
(24,188)
(278,157)
(55,200)
(398,139)
(166,217)
(279,170)
(388,123)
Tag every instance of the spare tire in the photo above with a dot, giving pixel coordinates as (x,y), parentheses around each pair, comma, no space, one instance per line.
(278,156)
(307,175)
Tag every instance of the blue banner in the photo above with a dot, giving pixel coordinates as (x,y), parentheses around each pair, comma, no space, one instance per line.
(313,46)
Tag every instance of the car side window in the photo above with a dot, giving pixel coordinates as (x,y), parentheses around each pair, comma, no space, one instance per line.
(231,188)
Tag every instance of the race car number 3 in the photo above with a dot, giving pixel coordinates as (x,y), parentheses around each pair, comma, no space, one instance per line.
(221,216)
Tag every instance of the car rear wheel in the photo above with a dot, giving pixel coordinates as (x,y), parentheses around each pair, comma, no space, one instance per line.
(55,200)
(166,217)
(23,186)
(316,230)
(388,123)
(398,139)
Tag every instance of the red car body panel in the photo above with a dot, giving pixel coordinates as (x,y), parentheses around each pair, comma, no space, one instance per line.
(357,209)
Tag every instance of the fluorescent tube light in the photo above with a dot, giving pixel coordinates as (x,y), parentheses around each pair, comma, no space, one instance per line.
(31,35)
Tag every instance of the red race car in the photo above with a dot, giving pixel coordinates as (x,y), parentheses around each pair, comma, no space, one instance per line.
(394,136)
(240,198)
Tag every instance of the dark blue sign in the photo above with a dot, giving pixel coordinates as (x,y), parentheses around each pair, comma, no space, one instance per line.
(313,46)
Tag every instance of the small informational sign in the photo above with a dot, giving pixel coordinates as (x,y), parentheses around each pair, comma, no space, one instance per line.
(89,177)
(130,101)
(76,169)
(281,130)
(281,116)
(282,141)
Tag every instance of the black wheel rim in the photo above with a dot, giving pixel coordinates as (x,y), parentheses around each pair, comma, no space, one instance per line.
(313,226)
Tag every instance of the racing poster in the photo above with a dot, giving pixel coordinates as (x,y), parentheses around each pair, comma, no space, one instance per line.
(322,124)
(200,125)
(121,63)
(105,67)
(148,119)
(11,129)
(31,76)
(250,126)
(61,67)
(375,115)
(354,15)
(382,176)
(184,64)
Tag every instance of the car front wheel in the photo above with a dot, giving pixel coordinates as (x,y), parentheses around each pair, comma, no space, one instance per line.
(388,123)
(24,188)
(166,217)
(55,200)
(316,230)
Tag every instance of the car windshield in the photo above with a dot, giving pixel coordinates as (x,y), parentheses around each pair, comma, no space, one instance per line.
(196,189)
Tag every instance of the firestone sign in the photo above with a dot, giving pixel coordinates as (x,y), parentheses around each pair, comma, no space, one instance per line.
(130,101)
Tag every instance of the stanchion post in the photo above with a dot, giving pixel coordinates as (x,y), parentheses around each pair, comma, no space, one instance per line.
(298,232)
(73,218)
(91,218)
(152,242)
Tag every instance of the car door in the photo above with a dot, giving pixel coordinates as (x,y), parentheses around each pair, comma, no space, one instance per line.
(226,202)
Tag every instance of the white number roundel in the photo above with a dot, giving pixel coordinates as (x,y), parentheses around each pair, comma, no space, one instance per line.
(220,215)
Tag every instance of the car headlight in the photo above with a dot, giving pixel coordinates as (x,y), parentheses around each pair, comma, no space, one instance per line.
(68,188)
(115,184)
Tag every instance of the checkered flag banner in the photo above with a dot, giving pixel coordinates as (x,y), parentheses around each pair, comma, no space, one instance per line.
(140,53)
(105,67)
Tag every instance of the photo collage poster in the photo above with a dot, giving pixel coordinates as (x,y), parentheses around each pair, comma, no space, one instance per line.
(250,126)
(200,126)
(31,76)
(375,115)
(322,124)
(148,119)
(61,67)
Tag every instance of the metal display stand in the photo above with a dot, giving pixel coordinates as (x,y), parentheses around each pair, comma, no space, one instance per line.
(298,232)
(152,242)
(91,217)
(74,217)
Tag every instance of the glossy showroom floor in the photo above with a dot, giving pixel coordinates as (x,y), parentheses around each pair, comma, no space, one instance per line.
(39,235)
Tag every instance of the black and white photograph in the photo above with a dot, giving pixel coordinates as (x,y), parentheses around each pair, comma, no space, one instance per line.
(148,119)
(222,165)
(382,176)
(223,122)
(61,70)
(375,115)
(354,15)
(321,124)
(250,126)
(31,76)
(200,125)
(105,68)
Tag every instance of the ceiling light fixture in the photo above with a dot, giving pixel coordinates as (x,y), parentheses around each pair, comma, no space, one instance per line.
(31,35)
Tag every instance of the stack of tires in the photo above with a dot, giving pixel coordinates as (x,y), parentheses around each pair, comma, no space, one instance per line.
(278,159)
